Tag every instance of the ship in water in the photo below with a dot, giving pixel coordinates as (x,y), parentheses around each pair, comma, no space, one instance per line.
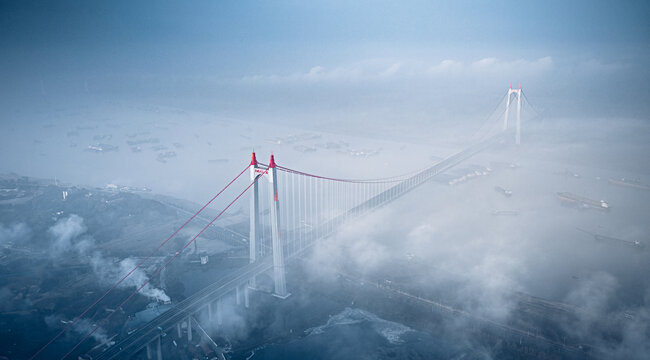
(629,183)
(505,213)
(582,202)
(598,237)
(504,192)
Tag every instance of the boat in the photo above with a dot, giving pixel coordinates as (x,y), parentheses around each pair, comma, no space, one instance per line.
(598,237)
(503,191)
(629,183)
(582,202)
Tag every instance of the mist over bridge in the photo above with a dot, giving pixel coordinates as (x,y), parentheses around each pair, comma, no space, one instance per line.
(290,211)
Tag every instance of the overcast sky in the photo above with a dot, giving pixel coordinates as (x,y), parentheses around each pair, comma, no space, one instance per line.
(577,58)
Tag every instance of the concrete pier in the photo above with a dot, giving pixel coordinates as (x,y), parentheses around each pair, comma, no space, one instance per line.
(189,329)
(219,312)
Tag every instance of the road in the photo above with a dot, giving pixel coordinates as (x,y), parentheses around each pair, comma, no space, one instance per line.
(139,339)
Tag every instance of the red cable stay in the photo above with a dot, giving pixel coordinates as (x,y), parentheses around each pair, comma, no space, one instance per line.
(164,265)
(78,317)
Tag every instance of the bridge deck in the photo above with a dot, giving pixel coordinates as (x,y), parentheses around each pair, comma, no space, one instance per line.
(139,339)
(133,343)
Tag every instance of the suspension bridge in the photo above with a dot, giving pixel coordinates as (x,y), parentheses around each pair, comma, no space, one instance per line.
(290,211)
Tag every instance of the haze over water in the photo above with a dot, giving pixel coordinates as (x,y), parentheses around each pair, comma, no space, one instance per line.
(153,99)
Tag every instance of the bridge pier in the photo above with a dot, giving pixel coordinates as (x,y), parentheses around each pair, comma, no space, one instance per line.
(209,311)
(178,330)
(246,295)
(189,329)
(238,295)
(159,348)
(149,357)
(219,312)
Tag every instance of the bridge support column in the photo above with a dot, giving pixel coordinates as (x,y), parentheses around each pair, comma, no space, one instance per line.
(238,295)
(149,357)
(178,330)
(278,247)
(246,299)
(210,311)
(219,312)
(189,329)
(159,349)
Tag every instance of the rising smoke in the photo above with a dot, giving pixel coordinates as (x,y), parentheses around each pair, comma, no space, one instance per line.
(69,235)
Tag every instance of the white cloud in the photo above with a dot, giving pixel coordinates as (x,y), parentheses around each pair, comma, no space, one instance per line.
(64,231)
(484,63)
(519,66)
(13,233)
(391,70)
(381,69)
(371,69)
(446,67)
(314,74)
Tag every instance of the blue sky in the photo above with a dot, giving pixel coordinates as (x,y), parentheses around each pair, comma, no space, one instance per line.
(267,52)
(411,22)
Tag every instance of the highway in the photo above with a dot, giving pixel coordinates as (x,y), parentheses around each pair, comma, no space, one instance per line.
(133,343)
(139,339)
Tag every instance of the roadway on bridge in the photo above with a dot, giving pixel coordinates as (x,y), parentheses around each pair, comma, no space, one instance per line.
(133,343)
(139,339)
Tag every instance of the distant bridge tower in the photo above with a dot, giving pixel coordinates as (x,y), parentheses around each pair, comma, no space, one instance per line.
(505,119)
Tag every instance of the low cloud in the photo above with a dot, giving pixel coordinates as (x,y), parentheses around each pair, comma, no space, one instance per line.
(382,69)
(64,232)
(446,67)
(13,233)
(366,70)
(490,66)
(359,243)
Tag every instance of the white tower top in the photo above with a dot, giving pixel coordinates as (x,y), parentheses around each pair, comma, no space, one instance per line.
(518,123)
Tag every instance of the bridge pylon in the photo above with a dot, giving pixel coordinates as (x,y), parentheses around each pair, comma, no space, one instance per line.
(518,122)
(279,277)
(254,241)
